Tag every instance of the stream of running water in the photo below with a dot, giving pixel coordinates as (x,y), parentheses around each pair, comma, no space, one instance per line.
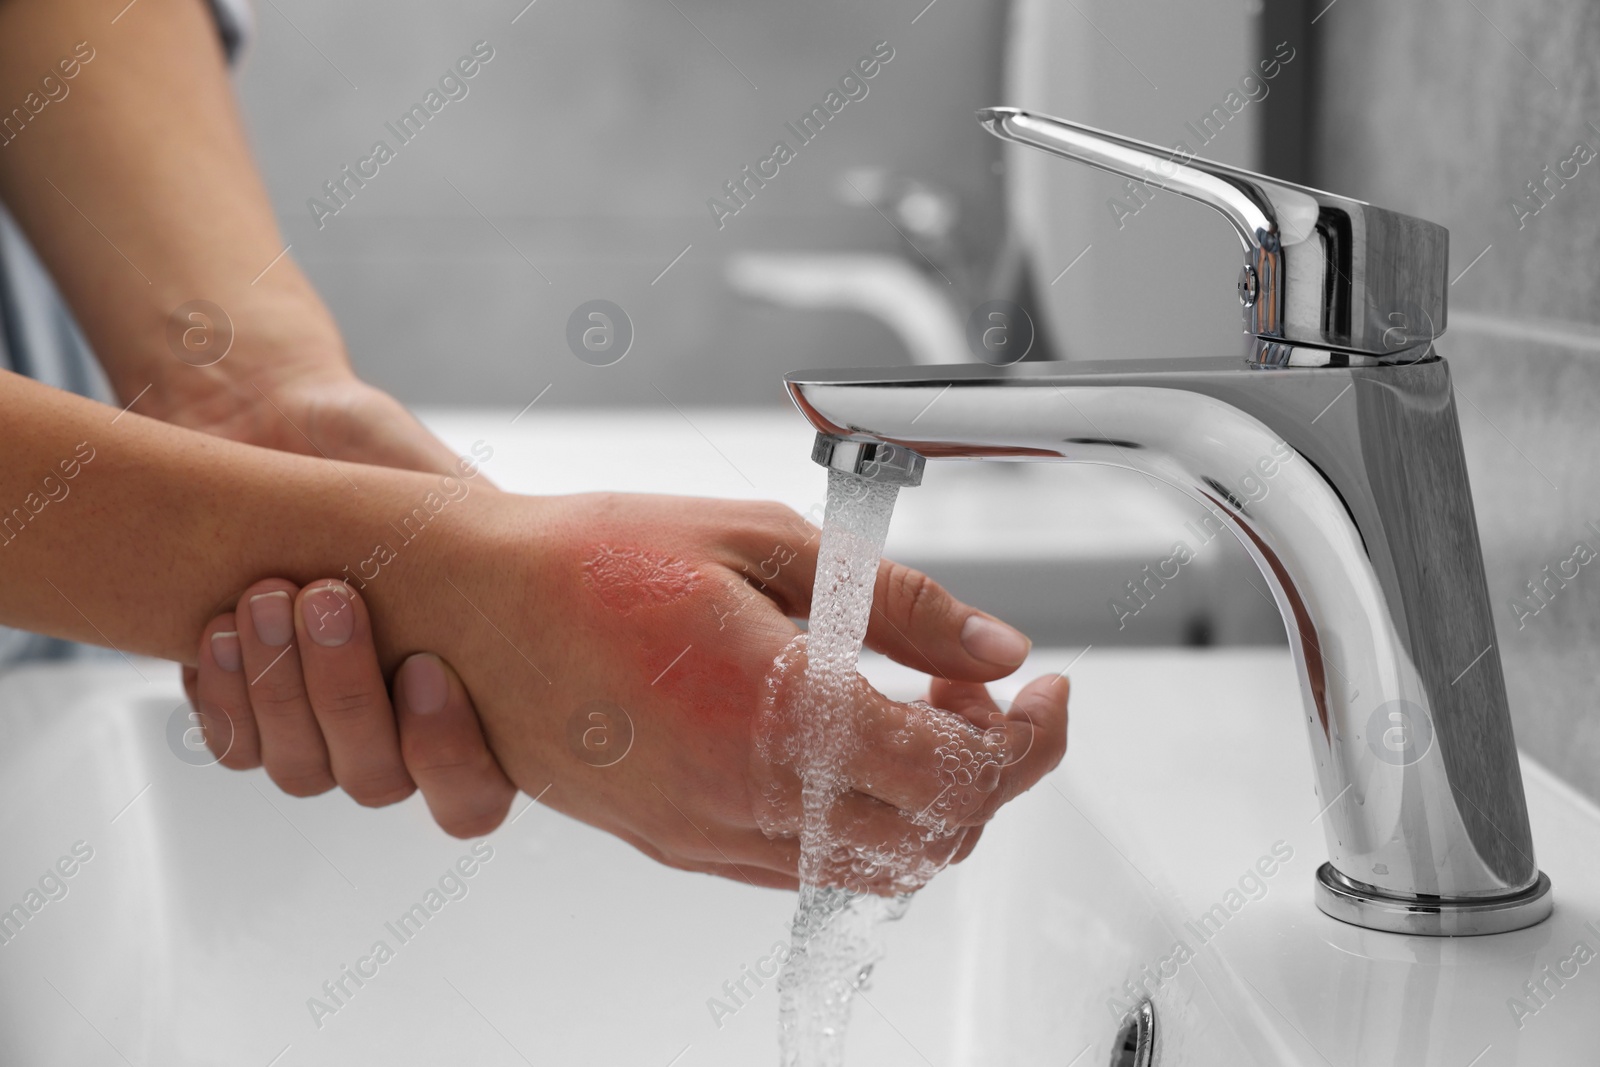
(811,727)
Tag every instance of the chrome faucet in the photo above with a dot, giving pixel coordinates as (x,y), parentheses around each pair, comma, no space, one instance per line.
(1332,450)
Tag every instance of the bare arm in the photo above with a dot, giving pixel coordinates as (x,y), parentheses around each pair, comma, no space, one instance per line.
(127,166)
(137,188)
(161,525)
(134,533)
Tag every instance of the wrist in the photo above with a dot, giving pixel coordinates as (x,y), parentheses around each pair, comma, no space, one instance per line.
(199,363)
(433,557)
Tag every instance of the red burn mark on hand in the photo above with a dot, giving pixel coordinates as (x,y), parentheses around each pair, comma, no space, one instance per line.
(627,579)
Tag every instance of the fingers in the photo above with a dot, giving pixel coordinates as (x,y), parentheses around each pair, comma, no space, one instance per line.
(445,751)
(970,700)
(222,698)
(1040,709)
(958,763)
(292,749)
(917,623)
(918,782)
(914,620)
(968,842)
(191,681)
(937,766)
(877,848)
(291,681)
(347,694)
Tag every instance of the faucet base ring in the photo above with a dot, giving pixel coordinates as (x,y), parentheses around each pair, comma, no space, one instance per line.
(1362,905)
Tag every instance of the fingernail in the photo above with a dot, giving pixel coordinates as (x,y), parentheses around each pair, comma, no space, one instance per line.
(988,777)
(424,683)
(225,650)
(271,614)
(329,615)
(994,642)
(1019,739)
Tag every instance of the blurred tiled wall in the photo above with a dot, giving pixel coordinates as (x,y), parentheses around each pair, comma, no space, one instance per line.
(1129,275)
(1447,110)
(578,166)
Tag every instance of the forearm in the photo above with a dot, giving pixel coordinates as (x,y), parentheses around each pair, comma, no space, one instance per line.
(134,533)
(139,192)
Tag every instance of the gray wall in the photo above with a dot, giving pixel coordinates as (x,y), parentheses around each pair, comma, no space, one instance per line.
(1160,282)
(591,142)
(1446,110)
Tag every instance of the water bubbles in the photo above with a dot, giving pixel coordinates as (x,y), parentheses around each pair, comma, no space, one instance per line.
(807,730)
(860,858)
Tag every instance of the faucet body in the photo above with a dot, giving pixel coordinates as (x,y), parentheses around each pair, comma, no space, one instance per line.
(1348,486)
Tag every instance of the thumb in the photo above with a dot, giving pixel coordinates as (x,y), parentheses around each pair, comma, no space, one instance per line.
(445,751)
(917,623)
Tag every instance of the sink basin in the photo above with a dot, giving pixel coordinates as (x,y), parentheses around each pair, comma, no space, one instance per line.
(204,910)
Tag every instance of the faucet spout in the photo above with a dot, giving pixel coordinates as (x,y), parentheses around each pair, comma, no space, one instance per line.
(1348,487)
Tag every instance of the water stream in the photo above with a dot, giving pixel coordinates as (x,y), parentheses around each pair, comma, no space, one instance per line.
(811,728)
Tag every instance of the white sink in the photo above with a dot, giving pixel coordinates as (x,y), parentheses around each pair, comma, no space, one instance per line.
(213,908)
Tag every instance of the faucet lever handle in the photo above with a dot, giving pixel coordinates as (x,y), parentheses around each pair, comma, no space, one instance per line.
(1320,270)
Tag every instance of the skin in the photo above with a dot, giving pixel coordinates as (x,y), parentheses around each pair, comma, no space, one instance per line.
(163,523)
(228,493)
(125,253)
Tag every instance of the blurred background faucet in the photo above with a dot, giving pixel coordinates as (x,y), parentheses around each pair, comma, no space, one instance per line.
(924,294)
(1332,450)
